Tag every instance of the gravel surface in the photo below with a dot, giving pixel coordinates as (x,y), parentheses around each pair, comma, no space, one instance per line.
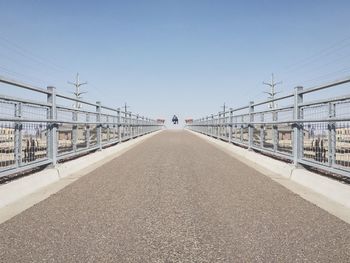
(174,198)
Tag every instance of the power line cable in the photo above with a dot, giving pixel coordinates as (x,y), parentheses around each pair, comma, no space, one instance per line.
(29,54)
(319,67)
(321,52)
(334,74)
(21,75)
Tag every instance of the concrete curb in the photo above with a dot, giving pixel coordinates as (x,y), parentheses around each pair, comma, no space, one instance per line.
(15,190)
(19,189)
(313,184)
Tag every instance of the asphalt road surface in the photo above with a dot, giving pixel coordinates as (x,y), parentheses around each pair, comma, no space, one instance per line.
(174,198)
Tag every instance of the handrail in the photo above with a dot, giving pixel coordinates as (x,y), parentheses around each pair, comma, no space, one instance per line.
(34,133)
(315,133)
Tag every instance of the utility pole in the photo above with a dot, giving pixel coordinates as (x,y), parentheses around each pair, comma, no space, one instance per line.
(224,107)
(224,110)
(77,92)
(273,92)
(125,109)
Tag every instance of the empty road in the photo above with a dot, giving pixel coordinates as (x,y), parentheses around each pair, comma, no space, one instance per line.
(174,198)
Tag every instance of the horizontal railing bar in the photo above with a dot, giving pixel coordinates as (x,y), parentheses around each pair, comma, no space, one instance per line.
(290,95)
(272,111)
(324,101)
(32,102)
(75,99)
(240,108)
(325,86)
(14,119)
(62,107)
(275,122)
(109,108)
(23,85)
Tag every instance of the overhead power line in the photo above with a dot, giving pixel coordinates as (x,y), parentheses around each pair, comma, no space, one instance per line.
(9,44)
(323,52)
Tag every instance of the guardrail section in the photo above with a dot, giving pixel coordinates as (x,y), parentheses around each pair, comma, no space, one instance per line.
(308,127)
(49,127)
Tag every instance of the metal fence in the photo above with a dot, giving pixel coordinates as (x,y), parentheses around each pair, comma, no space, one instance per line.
(313,132)
(38,132)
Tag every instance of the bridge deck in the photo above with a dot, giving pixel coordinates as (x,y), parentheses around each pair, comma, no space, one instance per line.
(174,198)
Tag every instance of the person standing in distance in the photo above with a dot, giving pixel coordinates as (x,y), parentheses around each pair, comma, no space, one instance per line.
(175,120)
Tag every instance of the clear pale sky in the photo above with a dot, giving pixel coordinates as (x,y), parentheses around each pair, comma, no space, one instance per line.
(184,57)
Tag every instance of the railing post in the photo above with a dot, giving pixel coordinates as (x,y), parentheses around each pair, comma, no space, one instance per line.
(131,122)
(18,135)
(74,130)
(52,126)
(87,135)
(108,129)
(230,126)
(114,127)
(129,126)
(99,125)
(137,125)
(145,125)
(224,127)
(221,125)
(216,132)
(242,127)
(235,132)
(251,125)
(262,131)
(132,125)
(207,129)
(119,125)
(218,126)
(332,135)
(125,125)
(148,128)
(275,131)
(297,127)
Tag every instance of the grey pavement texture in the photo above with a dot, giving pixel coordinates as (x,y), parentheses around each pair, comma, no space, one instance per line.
(174,198)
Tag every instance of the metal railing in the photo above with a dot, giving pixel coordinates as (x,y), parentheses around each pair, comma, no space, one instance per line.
(38,132)
(313,132)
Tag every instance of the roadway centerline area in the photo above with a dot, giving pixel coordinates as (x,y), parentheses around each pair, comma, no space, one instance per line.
(174,198)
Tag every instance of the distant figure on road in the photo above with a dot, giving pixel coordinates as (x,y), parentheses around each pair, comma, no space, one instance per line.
(175,120)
